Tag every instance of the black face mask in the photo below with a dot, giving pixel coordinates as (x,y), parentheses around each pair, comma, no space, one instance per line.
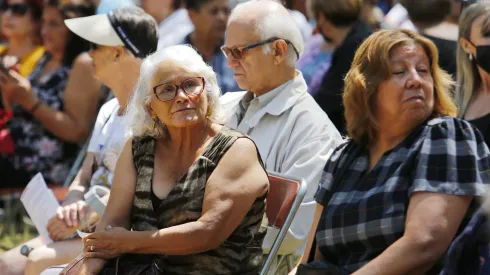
(482,58)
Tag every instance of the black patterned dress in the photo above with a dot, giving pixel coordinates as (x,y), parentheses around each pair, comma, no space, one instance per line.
(36,148)
(241,253)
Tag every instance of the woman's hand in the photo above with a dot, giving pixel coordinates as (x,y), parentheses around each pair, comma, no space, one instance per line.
(106,245)
(17,89)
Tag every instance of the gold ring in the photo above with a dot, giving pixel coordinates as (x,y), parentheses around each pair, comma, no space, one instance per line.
(91,248)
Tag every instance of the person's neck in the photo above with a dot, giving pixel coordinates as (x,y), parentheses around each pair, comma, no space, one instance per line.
(387,140)
(485,82)
(281,76)
(163,15)
(124,86)
(339,35)
(205,45)
(20,46)
(55,61)
(184,141)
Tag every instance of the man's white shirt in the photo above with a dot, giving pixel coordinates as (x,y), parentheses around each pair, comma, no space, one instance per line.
(294,137)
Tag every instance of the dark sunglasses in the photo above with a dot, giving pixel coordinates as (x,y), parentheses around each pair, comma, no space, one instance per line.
(17,9)
(192,87)
(238,52)
(466,3)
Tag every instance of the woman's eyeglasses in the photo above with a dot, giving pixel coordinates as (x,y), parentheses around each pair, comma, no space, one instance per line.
(192,87)
(16,9)
(238,52)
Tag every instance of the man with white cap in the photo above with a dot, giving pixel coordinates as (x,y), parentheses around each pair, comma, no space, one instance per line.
(293,134)
(120,40)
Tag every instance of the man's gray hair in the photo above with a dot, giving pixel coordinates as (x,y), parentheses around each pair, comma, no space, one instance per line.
(275,24)
(183,56)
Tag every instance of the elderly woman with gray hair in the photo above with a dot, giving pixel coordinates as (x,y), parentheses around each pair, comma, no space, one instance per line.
(201,210)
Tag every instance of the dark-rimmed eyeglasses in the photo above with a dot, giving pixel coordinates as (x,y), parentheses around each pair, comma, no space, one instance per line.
(466,3)
(16,9)
(192,87)
(238,52)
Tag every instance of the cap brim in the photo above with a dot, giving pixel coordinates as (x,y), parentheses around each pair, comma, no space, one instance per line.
(96,29)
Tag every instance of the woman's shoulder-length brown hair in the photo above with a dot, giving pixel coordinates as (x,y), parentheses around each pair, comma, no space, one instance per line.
(371,66)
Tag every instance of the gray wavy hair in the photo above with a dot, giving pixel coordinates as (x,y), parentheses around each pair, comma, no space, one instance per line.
(139,119)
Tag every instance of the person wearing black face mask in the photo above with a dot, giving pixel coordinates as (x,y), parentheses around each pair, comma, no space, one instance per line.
(338,21)
(473,62)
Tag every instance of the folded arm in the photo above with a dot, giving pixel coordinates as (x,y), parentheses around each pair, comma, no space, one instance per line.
(431,224)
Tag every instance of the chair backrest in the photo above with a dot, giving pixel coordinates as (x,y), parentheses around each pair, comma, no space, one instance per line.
(285,196)
(282,192)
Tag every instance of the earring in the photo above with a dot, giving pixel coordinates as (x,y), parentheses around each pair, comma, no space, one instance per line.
(154,123)
(470,56)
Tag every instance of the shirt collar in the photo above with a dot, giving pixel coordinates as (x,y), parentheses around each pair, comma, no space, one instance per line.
(276,101)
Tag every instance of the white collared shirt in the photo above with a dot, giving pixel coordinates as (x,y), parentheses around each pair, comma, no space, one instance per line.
(294,137)
(174,29)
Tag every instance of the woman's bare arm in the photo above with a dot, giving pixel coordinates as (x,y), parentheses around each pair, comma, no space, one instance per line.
(230,192)
(118,210)
(80,104)
(431,224)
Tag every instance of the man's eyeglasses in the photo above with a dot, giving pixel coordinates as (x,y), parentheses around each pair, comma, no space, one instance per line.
(192,86)
(16,9)
(238,52)
(466,3)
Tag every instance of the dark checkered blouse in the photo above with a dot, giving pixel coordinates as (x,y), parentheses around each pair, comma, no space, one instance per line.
(365,213)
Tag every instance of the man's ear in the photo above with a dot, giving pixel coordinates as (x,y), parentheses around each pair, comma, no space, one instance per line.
(280,50)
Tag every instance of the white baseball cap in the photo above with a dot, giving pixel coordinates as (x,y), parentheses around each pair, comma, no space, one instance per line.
(104,29)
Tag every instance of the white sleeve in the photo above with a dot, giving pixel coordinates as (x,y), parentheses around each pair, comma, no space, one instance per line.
(105,112)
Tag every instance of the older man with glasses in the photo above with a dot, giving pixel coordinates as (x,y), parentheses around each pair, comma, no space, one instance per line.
(294,136)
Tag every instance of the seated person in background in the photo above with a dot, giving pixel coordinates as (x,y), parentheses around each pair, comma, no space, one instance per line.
(21,27)
(117,67)
(209,18)
(52,114)
(338,21)
(192,205)
(473,86)
(398,191)
(315,62)
(173,21)
(292,133)
(437,20)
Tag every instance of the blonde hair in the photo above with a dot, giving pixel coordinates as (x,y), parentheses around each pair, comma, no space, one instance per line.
(184,56)
(371,66)
(468,78)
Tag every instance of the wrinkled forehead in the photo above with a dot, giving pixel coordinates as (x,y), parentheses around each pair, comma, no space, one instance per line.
(241,32)
(406,51)
(171,72)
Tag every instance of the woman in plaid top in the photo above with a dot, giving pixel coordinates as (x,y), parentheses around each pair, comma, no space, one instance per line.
(392,197)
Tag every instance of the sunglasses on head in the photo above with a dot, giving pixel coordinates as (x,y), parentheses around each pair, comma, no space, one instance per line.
(238,52)
(17,9)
